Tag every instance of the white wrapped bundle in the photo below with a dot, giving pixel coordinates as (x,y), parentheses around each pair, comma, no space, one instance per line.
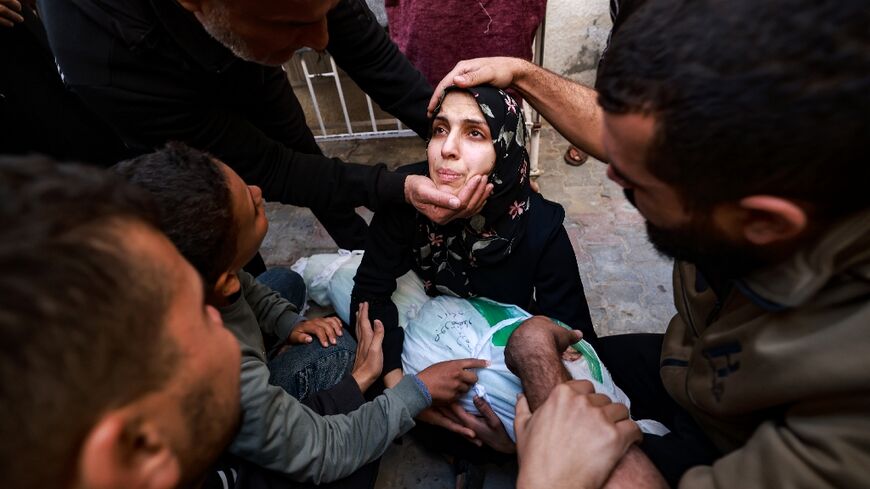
(448,328)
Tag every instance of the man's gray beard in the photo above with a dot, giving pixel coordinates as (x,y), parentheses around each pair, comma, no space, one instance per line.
(218,27)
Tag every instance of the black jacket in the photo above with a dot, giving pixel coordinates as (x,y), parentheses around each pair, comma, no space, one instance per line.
(152,71)
(37,113)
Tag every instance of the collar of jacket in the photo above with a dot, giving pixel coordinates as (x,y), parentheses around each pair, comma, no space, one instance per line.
(191,36)
(844,250)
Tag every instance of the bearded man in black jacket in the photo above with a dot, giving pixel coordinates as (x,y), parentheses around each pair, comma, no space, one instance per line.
(207,72)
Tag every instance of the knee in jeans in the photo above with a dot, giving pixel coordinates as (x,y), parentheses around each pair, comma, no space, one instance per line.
(289,284)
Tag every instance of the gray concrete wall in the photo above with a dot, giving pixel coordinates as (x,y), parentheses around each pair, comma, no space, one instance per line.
(576,32)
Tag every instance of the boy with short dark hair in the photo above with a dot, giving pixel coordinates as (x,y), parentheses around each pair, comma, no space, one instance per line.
(218,223)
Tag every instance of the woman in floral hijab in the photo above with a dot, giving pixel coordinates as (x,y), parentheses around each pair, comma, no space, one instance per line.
(515,251)
(442,253)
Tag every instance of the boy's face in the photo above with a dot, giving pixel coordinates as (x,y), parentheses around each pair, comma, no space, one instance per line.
(249,214)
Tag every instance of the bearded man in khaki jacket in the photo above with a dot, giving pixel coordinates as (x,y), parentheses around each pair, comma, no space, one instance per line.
(740,131)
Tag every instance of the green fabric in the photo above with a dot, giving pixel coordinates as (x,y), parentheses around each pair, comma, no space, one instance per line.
(500,338)
(495,313)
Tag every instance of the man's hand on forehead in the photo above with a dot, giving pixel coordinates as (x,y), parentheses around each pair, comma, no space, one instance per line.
(499,72)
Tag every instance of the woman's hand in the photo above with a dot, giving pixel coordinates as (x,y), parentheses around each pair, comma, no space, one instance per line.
(325,329)
(369,361)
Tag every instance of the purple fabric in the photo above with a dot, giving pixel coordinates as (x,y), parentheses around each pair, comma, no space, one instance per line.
(435,35)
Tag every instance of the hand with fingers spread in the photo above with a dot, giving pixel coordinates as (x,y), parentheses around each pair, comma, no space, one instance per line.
(448,381)
(442,207)
(575,439)
(10,13)
(498,71)
(325,329)
(369,360)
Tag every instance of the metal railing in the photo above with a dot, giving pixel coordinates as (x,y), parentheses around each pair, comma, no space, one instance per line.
(307,68)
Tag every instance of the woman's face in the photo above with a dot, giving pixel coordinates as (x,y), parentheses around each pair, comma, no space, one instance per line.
(461,145)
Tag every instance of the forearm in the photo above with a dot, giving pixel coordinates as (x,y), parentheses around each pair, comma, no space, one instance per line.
(570,107)
(635,471)
(533,355)
(280,433)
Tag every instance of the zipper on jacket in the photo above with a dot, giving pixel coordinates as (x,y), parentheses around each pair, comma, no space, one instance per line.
(689,318)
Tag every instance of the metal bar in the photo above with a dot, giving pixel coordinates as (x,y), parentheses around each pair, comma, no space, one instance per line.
(372,114)
(312,94)
(340,95)
(383,133)
(533,123)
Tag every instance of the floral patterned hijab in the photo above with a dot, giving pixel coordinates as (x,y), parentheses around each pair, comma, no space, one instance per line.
(443,254)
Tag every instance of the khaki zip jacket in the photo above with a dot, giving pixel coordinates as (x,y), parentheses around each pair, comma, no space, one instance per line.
(777,371)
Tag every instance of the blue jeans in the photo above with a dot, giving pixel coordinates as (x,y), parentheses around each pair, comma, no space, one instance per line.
(302,370)
(285,282)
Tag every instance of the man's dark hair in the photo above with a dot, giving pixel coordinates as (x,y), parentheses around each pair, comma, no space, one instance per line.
(194,202)
(81,314)
(750,97)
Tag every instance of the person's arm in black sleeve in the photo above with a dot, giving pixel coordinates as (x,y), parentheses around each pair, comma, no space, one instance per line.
(285,175)
(362,48)
(386,258)
(558,289)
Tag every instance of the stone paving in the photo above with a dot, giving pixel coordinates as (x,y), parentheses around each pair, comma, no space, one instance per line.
(627,283)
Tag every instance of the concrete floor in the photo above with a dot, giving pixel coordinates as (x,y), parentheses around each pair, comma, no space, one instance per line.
(627,283)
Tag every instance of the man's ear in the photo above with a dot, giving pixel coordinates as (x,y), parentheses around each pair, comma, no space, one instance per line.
(769,220)
(123,451)
(227,284)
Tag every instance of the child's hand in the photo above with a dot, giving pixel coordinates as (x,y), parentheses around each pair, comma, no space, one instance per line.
(369,360)
(448,381)
(325,329)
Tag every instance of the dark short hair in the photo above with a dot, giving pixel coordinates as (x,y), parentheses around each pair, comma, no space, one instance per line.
(194,202)
(81,314)
(750,97)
